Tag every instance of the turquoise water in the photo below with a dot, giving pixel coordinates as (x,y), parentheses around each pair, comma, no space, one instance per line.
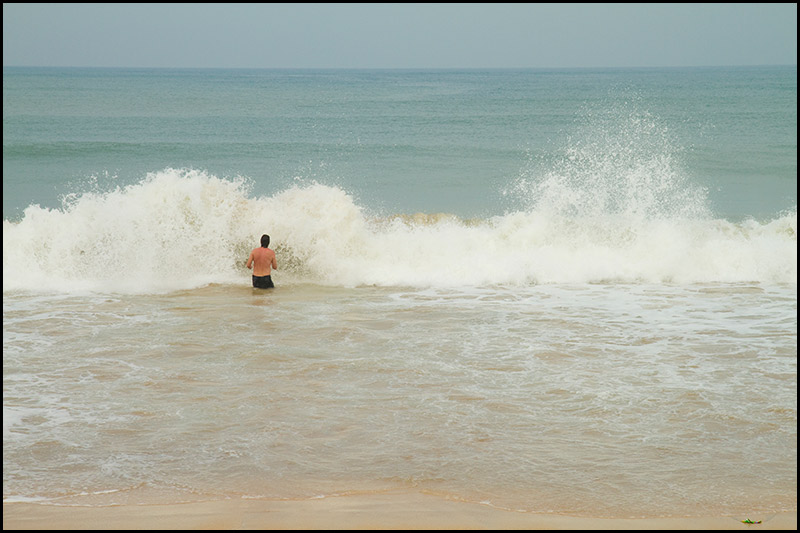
(401,141)
(566,291)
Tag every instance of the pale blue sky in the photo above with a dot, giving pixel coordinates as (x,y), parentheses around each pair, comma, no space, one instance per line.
(399,35)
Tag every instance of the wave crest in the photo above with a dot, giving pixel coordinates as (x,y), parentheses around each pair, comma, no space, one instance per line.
(180,229)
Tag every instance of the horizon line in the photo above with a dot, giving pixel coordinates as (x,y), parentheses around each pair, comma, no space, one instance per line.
(408,68)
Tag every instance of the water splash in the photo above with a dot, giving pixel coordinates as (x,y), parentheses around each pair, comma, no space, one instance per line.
(180,229)
(620,162)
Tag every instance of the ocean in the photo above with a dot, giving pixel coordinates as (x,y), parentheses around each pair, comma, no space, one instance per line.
(567,291)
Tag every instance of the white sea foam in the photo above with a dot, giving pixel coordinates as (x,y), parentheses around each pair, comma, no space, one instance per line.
(181,229)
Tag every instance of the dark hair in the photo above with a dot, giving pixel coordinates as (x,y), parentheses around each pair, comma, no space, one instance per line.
(265,241)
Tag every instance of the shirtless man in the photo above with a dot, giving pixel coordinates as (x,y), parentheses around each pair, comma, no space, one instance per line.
(264,260)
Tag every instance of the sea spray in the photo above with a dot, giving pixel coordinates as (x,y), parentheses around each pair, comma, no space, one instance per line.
(179,229)
(619,161)
(174,229)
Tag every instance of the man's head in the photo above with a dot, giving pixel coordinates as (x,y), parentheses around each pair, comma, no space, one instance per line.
(265,241)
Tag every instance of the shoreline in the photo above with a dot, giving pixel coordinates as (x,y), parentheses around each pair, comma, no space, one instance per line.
(373,511)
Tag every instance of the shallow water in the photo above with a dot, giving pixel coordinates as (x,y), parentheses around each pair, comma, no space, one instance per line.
(606,399)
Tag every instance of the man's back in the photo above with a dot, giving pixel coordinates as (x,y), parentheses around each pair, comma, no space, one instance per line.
(262,260)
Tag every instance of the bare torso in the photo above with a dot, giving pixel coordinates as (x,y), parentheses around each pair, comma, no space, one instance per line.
(262,261)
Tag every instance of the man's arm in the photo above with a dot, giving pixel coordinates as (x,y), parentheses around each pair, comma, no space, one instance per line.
(274,262)
(250,261)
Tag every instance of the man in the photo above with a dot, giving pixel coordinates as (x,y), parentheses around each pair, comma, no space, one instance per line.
(264,261)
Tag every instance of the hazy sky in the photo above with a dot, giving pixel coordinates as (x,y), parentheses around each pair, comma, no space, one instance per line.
(398,35)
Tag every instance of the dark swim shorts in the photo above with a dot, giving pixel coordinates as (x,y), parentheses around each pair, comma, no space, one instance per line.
(263,282)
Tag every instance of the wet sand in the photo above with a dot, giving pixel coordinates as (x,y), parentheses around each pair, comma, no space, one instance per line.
(373,511)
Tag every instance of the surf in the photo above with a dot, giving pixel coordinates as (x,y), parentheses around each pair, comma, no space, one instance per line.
(179,229)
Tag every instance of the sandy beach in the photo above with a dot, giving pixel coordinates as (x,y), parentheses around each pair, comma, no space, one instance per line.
(373,511)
